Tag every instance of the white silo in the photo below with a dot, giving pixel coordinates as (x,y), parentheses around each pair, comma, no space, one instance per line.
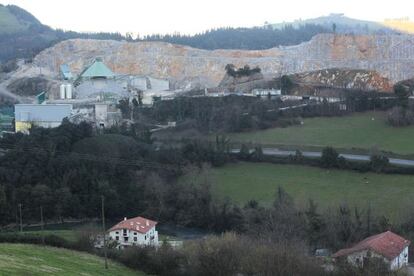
(62,92)
(69,91)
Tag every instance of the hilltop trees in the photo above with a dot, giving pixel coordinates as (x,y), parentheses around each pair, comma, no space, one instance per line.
(244,38)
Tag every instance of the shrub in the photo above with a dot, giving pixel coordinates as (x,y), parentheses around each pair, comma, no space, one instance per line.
(329,158)
(257,154)
(244,153)
(379,162)
(400,116)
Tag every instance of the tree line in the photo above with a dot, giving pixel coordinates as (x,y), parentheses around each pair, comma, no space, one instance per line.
(28,43)
(255,38)
(67,169)
(242,113)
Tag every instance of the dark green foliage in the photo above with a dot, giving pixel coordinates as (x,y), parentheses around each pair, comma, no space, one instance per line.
(244,153)
(229,254)
(241,72)
(28,42)
(51,240)
(315,226)
(400,116)
(329,158)
(286,84)
(379,162)
(8,66)
(257,154)
(373,266)
(360,101)
(244,38)
(402,92)
(232,113)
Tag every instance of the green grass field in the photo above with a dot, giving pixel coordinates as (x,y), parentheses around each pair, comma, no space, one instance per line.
(360,130)
(24,259)
(389,194)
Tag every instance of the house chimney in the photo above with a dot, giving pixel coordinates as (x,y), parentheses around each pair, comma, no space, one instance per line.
(125,218)
(147,223)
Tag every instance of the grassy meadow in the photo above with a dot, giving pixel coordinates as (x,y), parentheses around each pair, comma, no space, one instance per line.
(25,259)
(389,194)
(360,130)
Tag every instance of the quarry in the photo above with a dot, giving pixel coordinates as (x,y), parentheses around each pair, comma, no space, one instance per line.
(94,75)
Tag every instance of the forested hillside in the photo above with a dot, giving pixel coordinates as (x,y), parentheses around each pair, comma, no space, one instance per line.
(23,36)
(244,38)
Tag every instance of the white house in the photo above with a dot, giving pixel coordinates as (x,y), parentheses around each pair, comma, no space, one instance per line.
(388,246)
(134,231)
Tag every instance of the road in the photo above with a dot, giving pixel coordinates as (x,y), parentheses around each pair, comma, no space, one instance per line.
(5,92)
(352,157)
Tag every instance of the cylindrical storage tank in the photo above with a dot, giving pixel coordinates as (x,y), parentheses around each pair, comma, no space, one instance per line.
(62,92)
(68,91)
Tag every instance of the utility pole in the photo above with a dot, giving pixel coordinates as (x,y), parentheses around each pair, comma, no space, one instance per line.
(104,231)
(20,215)
(42,225)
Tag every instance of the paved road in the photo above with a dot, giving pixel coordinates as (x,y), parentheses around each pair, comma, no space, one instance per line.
(5,92)
(318,154)
(352,157)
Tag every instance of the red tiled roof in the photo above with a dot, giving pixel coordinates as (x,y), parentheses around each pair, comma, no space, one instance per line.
(139,224)
(386,244)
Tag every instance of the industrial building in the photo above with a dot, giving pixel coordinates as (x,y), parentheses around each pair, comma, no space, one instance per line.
(92,96)
(41,115)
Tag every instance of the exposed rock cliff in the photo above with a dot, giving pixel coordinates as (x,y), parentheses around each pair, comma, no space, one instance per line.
(345,78)
(390,55)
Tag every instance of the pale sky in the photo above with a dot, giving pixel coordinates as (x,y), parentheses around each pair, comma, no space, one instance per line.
(192,16)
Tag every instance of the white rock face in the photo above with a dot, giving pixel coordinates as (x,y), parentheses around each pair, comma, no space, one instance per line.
(391,55)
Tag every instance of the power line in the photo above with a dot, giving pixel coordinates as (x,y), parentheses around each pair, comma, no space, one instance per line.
(91,157)
(104,231)
(42,224)
(20,218)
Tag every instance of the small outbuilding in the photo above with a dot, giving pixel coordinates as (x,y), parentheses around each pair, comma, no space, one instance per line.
(390,247)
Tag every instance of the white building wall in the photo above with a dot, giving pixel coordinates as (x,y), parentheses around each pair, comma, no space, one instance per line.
(400,261)
(129,238)
(48,124)
(101,113)
(159,84)
(357,259)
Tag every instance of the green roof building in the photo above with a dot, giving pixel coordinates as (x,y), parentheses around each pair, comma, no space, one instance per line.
(97,70)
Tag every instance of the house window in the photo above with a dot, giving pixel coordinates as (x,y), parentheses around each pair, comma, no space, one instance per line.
(117,238)
(125,239)
(117,232)
(135,239)
(124,231)
(145,237)
(135,233)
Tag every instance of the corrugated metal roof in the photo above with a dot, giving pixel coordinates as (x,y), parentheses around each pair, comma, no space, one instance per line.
(97,70)
(42,112)
(65,70)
